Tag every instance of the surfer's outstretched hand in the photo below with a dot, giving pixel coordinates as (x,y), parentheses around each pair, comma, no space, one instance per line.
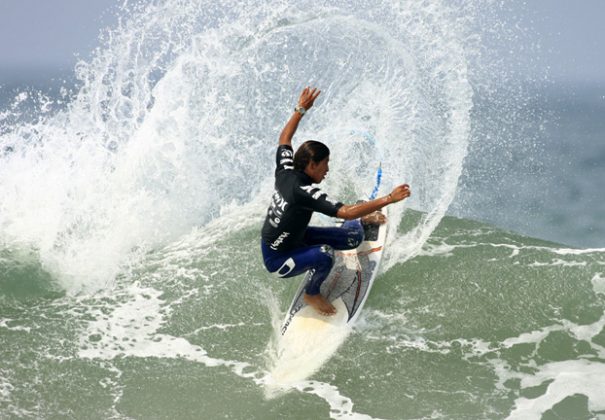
(308,96)
(400,192)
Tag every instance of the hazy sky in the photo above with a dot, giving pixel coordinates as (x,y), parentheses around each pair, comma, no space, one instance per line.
(49,33)
(571,35)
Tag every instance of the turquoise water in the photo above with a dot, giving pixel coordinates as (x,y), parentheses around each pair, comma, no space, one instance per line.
(131,284)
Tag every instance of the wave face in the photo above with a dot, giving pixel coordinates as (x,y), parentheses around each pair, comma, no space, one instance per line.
(176,118)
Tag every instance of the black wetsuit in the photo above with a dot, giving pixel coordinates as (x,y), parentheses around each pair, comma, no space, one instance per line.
(290,247)
(293,204)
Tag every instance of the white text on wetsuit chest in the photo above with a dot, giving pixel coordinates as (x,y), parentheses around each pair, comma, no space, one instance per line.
(277,209)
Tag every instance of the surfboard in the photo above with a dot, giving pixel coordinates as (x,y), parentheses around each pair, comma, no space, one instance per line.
(346,287)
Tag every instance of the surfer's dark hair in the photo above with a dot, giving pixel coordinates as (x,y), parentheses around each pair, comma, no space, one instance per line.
(310,150)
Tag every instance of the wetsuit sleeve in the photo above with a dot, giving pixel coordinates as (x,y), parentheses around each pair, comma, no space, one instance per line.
(315,199)
(284,158)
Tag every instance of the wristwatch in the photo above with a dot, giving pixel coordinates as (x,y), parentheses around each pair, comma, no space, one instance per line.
(300,109)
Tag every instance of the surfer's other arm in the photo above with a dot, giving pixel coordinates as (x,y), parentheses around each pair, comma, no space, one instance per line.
(354,211)
(305,102)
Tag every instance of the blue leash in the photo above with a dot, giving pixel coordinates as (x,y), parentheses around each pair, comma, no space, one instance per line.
(369,137)
(378,180)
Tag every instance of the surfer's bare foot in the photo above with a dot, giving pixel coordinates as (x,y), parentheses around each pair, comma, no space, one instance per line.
(376,218)
(320,304)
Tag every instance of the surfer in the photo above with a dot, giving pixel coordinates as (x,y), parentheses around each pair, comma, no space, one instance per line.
(289,246)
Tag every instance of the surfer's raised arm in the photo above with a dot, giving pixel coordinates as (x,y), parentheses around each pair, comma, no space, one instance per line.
(349,212)
(305,102)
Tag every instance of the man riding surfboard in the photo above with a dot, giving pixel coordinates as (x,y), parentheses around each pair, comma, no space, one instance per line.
(289,245)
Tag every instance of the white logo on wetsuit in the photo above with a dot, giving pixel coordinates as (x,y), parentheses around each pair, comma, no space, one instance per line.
(309,190)
(276,243)
(327,249)
(277,209)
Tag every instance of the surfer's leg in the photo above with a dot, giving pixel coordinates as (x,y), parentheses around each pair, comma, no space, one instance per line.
(348,236)
(323,264)
(297,261)
(318,260)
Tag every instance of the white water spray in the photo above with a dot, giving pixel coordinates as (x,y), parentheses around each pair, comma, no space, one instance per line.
(178,113)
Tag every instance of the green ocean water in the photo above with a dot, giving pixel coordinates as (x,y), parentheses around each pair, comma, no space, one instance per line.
(483,323)
(133,191)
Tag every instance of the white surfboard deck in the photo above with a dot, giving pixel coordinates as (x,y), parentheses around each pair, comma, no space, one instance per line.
(347,288)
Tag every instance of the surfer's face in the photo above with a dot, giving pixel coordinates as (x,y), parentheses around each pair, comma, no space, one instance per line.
(318,170)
